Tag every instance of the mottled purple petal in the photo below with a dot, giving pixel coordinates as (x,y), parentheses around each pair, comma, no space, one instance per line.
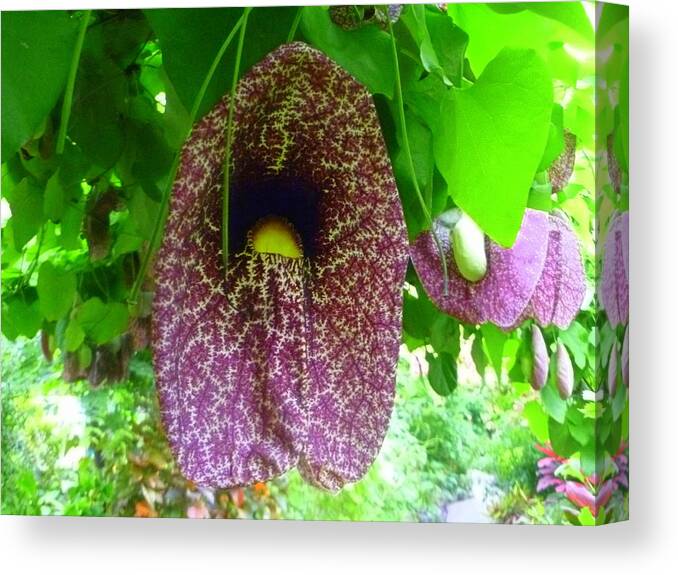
(614,286)
(280,361)
(503,293)
(613,168)
(561,170)
(562,286)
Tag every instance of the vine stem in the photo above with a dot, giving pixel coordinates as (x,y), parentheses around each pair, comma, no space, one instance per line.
(70,83)
(295,25)
(164,202)
(410,162)
(229,140)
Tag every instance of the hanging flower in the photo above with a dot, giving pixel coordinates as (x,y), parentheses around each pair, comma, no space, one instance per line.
(562,168)
(511,277)
(614,285)
(352,17)
(561,289)
(287,357)
(540,277)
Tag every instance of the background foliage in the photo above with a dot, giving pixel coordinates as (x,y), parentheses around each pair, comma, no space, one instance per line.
(488,93)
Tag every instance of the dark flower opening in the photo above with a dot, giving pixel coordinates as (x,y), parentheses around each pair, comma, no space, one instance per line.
(289,198)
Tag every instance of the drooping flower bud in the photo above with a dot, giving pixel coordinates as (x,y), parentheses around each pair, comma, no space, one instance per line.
(540,363)
(565,372)
(468,245)
(561,170)
(625,358)
(612,370)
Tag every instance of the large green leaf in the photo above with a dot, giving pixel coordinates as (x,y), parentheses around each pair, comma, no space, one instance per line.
(365,52)
(571,14)
(490,31)
(442,372)
(537,420)
(99,103)
(191,38)
(450,43)
(56,290)
(36,57)
(491,139)
(561,440)
(20,317)
(494,339)
(414,17)
(25,201)
(102,321)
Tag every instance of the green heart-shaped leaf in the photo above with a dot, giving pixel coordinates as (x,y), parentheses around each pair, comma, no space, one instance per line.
(492,138)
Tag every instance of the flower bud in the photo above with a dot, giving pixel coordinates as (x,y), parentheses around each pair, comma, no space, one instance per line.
(540,363)
(564,373)
(468,244)
(625,358)
(612,371)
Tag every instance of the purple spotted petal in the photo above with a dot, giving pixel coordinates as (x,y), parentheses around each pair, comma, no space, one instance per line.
(504,292)
(562,286)
(614,286)
(625,242)
(276,362)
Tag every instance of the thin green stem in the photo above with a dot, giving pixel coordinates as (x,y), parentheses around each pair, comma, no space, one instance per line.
(229,140)
(164,202)
(410,162)
(295,25)
(70,83)
(34,264)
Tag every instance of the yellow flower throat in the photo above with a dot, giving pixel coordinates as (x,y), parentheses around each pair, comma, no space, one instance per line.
(275,235)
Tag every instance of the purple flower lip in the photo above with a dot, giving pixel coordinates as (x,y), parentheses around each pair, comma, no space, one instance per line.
(282,361)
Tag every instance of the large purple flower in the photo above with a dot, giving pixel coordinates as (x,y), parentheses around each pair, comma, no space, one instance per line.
(287,357)
(614,285)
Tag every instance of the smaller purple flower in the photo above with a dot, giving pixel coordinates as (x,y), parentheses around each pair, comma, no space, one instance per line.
(512,273)
(614,286)
(562,286)
(561,289)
